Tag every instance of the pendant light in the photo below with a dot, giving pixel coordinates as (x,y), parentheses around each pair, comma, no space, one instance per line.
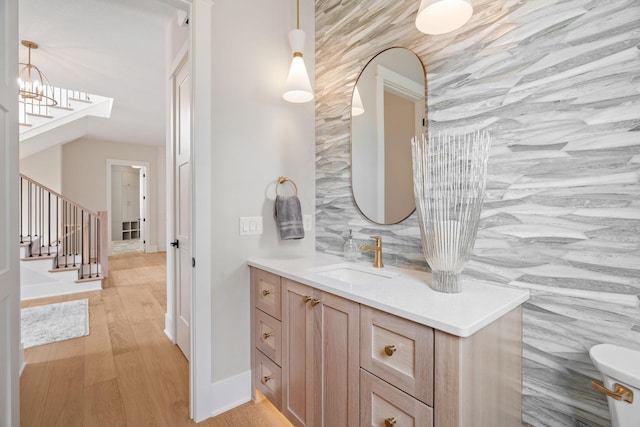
(443,16)
(33,84)
(298,86)
(357,107)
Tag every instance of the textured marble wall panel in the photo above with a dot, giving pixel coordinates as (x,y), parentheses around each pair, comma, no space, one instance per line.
(557,84)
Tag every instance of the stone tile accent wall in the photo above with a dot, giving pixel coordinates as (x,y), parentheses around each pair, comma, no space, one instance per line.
(557,84)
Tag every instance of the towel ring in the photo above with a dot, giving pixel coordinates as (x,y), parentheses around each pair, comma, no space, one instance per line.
(282,180)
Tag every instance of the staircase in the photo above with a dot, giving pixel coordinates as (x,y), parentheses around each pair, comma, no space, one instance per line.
(63,245)
(43,126)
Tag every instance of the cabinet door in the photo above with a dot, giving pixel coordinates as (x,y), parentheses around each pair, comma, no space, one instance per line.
(297,358)
(337,398)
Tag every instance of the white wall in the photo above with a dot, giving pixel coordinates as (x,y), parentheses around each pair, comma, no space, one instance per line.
(257,136)
(248,138)
(45,167)
(84,176)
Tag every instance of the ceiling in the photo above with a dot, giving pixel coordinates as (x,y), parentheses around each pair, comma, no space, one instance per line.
(113,48)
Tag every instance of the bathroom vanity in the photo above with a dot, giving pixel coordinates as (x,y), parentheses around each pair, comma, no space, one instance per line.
(344,344)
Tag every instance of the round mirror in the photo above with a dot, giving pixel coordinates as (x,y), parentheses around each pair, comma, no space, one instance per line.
(387,110)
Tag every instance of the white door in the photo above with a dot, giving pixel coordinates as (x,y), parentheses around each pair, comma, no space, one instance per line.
(9,269)
(182,206)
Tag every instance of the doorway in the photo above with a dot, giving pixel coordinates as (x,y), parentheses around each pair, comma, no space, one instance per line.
(201,392)
(127,206)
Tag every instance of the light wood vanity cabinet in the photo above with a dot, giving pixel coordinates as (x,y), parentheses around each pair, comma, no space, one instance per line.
(266,334)
(329,361)
(320,357)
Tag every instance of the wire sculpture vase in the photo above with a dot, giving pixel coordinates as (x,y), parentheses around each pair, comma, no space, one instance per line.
(449,179)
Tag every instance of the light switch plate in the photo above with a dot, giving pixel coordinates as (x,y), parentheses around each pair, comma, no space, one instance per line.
(250,225)
(307,222)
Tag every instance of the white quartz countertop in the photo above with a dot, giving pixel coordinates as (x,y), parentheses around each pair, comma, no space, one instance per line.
(407,294)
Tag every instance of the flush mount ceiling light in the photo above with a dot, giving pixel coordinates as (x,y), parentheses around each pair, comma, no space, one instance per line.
(33,84)
(442,16)
(298,86)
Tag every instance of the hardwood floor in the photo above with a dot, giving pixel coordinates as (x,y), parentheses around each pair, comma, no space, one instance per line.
(126,372)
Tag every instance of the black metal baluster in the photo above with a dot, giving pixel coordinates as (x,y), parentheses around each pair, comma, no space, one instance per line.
(97,247)
(57,232)
(40,221)
(29,218)
(74,251)
(21,213)
(49,223)
(82,249)
(67,243)
(89,245)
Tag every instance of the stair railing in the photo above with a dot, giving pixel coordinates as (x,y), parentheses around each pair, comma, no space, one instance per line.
(53,225)
(64,98)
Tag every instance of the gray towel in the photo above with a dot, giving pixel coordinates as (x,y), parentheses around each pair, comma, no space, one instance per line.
(289,217)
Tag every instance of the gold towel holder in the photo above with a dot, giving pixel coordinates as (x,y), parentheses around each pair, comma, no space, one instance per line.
(282,180)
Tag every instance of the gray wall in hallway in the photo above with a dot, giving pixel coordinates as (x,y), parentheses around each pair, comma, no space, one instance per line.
(557,84)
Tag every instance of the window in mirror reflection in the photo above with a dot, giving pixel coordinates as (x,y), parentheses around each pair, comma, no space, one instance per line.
(391,109)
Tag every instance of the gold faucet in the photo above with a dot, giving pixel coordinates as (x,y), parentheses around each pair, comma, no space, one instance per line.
(377,260)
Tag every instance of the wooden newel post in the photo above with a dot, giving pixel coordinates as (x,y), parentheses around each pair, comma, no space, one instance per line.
(103,216)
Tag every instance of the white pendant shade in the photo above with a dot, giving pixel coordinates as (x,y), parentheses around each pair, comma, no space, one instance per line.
(298,86)
(442,16)
(357,107)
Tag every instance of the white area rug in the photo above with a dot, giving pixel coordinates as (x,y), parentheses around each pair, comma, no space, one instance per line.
(54,322)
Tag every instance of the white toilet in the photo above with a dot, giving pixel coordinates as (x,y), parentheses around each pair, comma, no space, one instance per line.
(619,366)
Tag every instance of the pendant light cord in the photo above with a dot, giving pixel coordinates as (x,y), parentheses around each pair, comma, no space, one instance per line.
(297,14)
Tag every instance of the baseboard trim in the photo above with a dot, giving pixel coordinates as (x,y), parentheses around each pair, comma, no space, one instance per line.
(151,249)
(21,361)
(231,392)
(168,327)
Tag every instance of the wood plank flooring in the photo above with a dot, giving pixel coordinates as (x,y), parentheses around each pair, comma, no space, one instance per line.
(126,372)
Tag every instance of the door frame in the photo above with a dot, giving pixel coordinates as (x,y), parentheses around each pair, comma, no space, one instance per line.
(144,208)
(11,351)
(201,402)
(199,45)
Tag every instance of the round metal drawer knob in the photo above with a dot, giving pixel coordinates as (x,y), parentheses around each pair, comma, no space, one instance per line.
(390,349)
(266,292)
(389,422)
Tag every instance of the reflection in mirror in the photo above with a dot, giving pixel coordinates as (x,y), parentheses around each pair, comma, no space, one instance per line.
(388,109)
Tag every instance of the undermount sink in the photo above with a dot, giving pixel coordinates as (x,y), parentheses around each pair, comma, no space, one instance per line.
(354,274)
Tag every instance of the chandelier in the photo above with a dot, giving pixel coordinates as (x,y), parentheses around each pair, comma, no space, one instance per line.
(33,84)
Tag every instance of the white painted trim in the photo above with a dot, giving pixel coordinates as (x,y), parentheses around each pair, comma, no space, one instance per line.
(380,181)
(201,57)
(201,401)
(169,327)
(144,209)
(231,392)
(21,361)
(151,249)
(400,85)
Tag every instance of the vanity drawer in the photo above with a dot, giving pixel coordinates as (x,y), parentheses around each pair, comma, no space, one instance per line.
(268,336)
(382,405)
(266,287)
(399,351)
(268,379)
